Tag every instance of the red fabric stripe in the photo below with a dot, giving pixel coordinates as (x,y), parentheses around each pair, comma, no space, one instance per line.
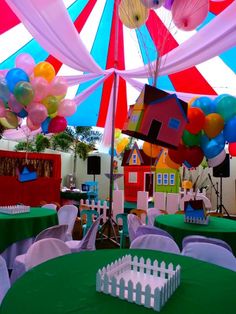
(218,7)
(8,19)
(196,83)
(121,110)
(79,24)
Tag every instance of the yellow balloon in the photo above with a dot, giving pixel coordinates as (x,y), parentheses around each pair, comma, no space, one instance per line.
(51,103)
(133,13)
(10,121)
(45,70)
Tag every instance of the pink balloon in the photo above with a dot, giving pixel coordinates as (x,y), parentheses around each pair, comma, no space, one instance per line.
(189,14)
(37,113)
(66,108)
(25,62)
(58,86)
(2,109)
(57,125)
(30,125)
(14,105)
(40,87)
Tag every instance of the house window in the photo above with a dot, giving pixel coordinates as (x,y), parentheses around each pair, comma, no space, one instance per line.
(132,177)
(159,178)
(134,159)
(165,179)
(172,179)
(174,123)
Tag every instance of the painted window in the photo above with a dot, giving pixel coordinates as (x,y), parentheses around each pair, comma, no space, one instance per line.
(133,177)
(134,159)
(174,123)
(165,179)
(159,178)
(172,179)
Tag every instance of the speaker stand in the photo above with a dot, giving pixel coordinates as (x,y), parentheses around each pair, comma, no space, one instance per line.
(221,208)
(108,231)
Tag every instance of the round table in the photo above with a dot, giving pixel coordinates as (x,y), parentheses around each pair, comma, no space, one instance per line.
(17,227)
(221,228)
(67,285)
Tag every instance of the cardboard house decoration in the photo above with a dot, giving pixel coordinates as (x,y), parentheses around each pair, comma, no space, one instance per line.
(143,173)
(157,117)
(194,210)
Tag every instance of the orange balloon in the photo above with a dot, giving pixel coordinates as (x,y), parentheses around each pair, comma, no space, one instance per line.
(45,70)
(151,150)
(214,124)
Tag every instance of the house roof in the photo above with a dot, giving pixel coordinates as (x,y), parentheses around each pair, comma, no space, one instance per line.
(146,160)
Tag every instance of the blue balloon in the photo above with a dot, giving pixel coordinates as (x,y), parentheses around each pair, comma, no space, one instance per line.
(230,130)
(218,98)
(22,114)
(45,124)
(14,76)
(205,104)
(212,147)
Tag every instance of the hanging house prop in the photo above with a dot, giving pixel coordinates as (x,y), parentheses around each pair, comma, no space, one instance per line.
(157,117)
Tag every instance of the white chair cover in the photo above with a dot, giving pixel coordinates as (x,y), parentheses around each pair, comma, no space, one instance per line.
(198,238)
(172,203)
(155,242)
(88,241)
(142,230)
(4,278)
(152,213)
(133,223)
(44,250)
(58,232)
(50,206)
(67,215)
(142,200)
(159,199)
(211,253)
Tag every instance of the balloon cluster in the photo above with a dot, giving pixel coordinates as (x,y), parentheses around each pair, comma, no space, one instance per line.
(211,124)
(187,15)
(33,91)
(120,143)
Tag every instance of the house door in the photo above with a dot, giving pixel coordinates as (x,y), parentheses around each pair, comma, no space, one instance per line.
(149,178)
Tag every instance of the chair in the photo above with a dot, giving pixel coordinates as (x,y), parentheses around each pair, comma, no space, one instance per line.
(67,215)
(92,190)
(133,223)
(88,216)
(152,213)
(155,242)
(50,206)
(211,253)
(141,213)
(4,278)
(172,203)
(57,232)
(124,232)
(44,250)
(202,239)
(88,241)
(142,230)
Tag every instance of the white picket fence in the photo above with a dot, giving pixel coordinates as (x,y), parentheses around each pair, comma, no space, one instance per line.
(98,206)
(118,279)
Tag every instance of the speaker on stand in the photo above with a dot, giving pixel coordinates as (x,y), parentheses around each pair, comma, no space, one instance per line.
(222,171)
(94,165)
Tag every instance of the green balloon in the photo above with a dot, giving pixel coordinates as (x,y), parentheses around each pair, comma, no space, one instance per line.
(24,93)
(226,107)
(191,139)
(51,103)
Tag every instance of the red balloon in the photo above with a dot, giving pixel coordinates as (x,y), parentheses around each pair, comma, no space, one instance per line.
(196,120)
(232,149)
(194,156)
(57,125)
(177,155)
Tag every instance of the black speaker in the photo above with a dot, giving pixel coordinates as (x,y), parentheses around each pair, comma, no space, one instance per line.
(222,170)
(94,165)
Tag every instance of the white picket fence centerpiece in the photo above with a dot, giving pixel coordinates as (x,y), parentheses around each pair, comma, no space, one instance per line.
(14,209)
(139,281)
(197,220)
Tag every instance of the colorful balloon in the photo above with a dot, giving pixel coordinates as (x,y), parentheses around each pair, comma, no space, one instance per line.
(190,139)
(25,62)
(15,76)
(168,4)
(66,108)
(152,4)
(14,105)
(178,155)
(57,125)
(4,91)
(133,14)
(212,147)
(230,130)
(58,86)
(151,150)
(24,93)
(214,124)
(205,104)
(37,113)
(51,103)
(232,149)
(45,124)
(10,121)
(193,156)
(22,114)
(46,70)
(196,120)
(226,107)
(30,125)
(41,88)
(217,160)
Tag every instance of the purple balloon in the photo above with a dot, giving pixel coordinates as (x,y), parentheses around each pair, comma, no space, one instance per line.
(168,4)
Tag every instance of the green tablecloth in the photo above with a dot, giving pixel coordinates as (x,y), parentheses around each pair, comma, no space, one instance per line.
(67,285)
(221,228)
(17,227)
